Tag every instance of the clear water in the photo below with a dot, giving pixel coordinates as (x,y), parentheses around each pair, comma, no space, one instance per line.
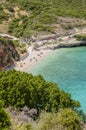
(67,68)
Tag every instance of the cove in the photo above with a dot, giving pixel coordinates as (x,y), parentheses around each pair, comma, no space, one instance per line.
(67,68)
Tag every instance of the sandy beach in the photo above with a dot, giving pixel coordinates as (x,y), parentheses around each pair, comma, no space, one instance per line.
(33,58)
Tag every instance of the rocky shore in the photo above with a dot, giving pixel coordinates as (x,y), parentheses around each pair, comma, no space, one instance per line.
(55,41)
(74,44)
(37,45)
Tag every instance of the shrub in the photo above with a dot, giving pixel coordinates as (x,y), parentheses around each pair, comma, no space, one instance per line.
(66,119)
(4,118)
(11,9)
(45,12)
(81,37)
(19,89)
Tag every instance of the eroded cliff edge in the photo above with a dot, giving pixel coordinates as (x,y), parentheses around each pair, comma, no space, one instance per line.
(8,53)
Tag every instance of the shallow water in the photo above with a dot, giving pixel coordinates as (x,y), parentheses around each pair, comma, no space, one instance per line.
(67,68)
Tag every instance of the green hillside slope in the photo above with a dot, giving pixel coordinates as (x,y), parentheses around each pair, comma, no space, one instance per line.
(26,17)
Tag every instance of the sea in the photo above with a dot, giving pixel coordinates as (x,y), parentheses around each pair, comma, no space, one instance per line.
(67,68)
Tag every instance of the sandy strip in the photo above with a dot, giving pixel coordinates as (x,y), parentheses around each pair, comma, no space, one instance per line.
(33,58)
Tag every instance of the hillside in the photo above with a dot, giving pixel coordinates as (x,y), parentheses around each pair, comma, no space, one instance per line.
(8,53)
(29,102)
(32,95)
(26,18)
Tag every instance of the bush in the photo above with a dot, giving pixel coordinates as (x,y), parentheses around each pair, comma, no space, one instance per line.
(3,16)
(4,118)
(81,37)
(66,119)
(45,12)
(11,9)
(19,89)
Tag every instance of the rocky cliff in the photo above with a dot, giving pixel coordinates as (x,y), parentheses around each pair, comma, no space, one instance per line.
(8,53)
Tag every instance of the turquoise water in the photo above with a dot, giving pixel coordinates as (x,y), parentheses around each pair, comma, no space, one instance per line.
(67,68)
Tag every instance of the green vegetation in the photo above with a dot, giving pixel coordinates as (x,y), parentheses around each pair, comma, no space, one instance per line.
(24,127)
(80,37)
(21,47)
(66,119)
(4,118)
(51,8)
(19,89)
(41,15)
(3,15)
(5,41)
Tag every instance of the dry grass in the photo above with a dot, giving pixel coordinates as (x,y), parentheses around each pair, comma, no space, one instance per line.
(23,12)
(69,21)
(2,1)
(3,28)
(7,11)
(16,8)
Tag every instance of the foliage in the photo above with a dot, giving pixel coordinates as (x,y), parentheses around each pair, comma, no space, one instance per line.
(80,37)
(4,118)
(19,89)
(82,115)
(22,127)
(3,15)
(5,41)
(42,13)
(66,119)
(11,9)
(16,43)
(70,120)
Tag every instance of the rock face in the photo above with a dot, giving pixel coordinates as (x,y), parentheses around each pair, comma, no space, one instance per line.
(8,53)
(25,115)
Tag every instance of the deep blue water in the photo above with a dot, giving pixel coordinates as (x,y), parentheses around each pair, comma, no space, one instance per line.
(67,68)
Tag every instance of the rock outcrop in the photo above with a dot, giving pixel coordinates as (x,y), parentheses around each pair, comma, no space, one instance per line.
(8,53)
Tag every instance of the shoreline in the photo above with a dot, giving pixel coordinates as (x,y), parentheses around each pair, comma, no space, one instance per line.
(47,44)
(33,58)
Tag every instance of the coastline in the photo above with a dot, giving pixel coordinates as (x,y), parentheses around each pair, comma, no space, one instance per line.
(32,59)
(34,56)
(46,44)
